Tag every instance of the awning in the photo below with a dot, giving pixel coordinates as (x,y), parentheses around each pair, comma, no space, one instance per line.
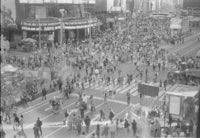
(80,23)
(47,24)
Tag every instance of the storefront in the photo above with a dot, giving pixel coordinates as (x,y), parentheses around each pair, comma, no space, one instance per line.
(43,28)
(80,28)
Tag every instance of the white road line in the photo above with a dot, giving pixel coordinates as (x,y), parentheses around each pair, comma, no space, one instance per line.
(49,115)
(127,88)
(31,108)
(45,117)
(36,107)
(62,127)
(113,118)
(135,93)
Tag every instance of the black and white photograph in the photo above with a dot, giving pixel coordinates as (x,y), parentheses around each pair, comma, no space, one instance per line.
(100,69)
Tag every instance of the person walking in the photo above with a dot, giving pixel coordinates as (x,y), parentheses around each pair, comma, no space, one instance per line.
(82,109)
(44,93)
(98,131)
(105,97)
(66,117)
(146,78)
(165,85)
(79,125)
(15,122)
(21,122)
(134,127)
(159,66)
(105,131)
(191,125)
(102,115)
(87,123)
(111,115)
(128,97)
(126,125)
(112,128)
(39,125)
(36,131)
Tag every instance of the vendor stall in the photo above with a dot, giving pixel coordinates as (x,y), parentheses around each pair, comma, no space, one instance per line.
(181,104)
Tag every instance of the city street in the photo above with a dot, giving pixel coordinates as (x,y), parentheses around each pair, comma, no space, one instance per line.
(53,123)
(100,68)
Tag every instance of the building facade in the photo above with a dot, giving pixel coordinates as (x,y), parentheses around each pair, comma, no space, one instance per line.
(108,11)
(39,19)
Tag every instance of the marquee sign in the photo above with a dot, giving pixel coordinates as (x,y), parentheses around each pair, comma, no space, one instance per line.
(78,24)
(51,26)
(43,25)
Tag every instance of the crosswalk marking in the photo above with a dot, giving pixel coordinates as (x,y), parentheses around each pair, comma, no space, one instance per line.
(129,88)
(121,88)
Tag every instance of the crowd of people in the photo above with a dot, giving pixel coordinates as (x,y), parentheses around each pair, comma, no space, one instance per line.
(133,41)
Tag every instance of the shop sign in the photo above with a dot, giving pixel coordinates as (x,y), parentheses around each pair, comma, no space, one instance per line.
(50,28)
(41,24)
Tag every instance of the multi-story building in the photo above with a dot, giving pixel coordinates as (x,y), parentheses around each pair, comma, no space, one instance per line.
(8,18)
(108,11)
(65,19)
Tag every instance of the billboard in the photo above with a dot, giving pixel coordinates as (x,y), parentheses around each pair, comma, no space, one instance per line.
(116,5)
(174,105)
(148,90)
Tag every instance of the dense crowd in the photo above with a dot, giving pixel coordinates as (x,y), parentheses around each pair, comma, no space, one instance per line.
(132,41)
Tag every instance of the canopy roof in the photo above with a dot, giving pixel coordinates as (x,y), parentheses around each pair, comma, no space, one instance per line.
(183,94)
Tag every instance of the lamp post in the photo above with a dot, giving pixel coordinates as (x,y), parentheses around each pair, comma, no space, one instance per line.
(90,29)
(39,25)
(62,11)
(61,31)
